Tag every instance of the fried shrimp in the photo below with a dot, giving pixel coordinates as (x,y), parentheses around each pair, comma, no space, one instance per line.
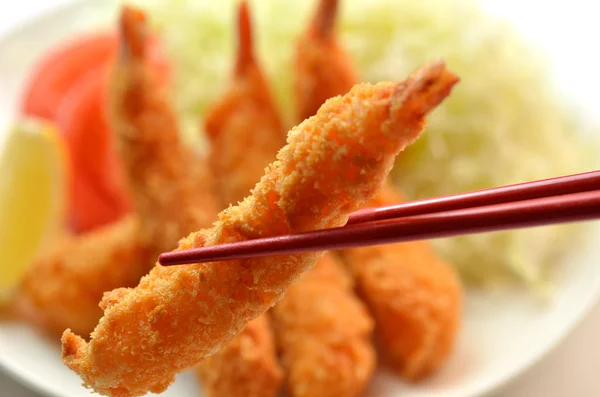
(246,134)
(244,128)
(323,332)
(414,296)
(323,68)
(171,195)
(64,285)
(416,333)
(332,163)
(172,189)
(246,367)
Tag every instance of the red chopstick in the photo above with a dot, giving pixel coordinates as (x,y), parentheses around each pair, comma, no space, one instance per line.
(570,199)
(523,191)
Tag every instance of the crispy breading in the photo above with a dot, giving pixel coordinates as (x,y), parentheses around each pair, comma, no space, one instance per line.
(414,296)
(322,328)
(246,133)
(244,127)
(64,284)
(245,367)
(324,334)
(172,189)
(332,163)
(172,194)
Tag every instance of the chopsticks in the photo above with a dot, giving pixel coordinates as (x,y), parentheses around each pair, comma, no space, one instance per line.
(571,198)
(523,191)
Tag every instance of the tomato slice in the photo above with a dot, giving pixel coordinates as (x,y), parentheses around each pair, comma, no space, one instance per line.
(56,71)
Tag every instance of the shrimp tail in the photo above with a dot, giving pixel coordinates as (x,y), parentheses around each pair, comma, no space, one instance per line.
(132,31)
(420,94)
(323,23)
(425,89)
(245,52)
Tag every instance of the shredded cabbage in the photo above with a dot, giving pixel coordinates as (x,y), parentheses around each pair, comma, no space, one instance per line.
(503,123)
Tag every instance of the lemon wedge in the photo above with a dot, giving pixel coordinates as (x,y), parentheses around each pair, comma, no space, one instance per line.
(33,183)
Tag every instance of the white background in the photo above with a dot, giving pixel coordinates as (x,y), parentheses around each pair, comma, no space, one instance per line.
(571,369)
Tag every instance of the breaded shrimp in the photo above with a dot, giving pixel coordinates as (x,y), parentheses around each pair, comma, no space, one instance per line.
(64,285)
(333,162)
(245,367)
(246,135)
(418,338)
(322,328)
(244,128)
(324,334)
(172,189)
(323,68)
(415,297)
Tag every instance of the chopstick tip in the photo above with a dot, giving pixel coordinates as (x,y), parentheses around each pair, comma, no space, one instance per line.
(163,259)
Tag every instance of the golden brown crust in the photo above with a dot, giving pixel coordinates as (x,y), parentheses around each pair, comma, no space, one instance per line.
(333,162)
(246,133)
(325,351)
(170,186)
(324,334)
(63,286)
(244,127)
(246,367)
(172,198)
(414,296)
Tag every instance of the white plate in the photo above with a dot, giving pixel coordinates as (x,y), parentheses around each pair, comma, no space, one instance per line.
(503,334)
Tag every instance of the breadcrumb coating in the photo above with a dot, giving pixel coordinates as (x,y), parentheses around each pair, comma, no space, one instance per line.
(64,284)
(244,127)
(332,163)
(246,367)
(324,334)
(172,189)
(246,133)
(323,330)
(414,296)
(172,194)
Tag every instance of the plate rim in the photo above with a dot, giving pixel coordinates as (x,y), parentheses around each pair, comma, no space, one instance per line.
(492,384)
